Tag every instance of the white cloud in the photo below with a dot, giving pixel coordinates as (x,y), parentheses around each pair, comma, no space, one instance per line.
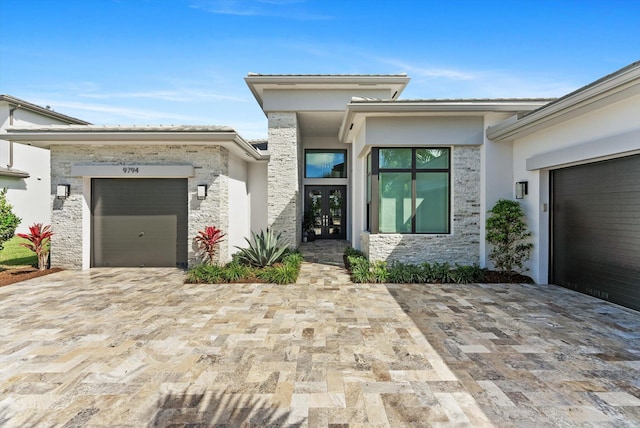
(175,95)
(272,8)
(429,72)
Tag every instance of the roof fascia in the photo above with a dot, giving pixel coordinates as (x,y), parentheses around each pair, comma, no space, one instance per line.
(365,109)
(46,139)
(617,87)
(258,83)
(8,172)
(17,102)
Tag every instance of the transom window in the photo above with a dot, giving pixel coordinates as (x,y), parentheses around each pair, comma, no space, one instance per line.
(325,164)
(408,190)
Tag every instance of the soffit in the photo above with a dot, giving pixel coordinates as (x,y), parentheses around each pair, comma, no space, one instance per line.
(258,83)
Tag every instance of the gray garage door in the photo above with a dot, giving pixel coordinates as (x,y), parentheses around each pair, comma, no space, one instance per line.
(596,229)
(139,222)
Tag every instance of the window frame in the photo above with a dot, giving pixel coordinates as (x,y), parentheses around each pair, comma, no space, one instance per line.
(344,153)
(373,180)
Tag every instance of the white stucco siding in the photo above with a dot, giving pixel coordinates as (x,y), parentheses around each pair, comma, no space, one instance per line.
(258,188)
(496,178)
(278,100)
(608,132)
(358,182)
(422,131)
(239,204)
(28,196)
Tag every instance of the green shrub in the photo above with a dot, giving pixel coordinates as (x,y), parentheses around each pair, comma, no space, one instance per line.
(360,269)
(265,250)
(8,220)
(462,274)
(441,272)
(378,272)
(507,233)
(293,258)
(205,273)
(235,271)
(282,273)
(285,272)
(350,252)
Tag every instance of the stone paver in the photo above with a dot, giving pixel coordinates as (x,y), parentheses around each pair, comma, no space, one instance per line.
(137,347)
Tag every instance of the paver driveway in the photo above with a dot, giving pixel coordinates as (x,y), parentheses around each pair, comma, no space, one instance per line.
(137,347)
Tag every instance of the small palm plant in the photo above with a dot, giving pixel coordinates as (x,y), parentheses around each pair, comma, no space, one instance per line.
(265,250)
(39,238)
(208,240)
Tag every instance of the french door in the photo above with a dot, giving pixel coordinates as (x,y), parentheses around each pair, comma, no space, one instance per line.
(328,207)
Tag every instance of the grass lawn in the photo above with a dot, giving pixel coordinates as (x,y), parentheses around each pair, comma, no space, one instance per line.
(14,254)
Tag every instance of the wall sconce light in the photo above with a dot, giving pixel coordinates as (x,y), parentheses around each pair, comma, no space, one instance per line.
(522,189)
(62,191)
(202,192)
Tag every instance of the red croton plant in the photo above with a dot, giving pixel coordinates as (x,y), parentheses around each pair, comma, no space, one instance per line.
(39,238)
(207,241)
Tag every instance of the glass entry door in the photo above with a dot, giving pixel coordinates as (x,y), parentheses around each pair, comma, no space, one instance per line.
(327,205)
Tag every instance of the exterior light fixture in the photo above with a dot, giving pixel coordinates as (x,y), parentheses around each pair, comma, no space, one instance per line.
(62,191)
(202,192)
(522,189)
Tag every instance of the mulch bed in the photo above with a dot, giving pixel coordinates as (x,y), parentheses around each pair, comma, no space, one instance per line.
(495,277)
(11,276)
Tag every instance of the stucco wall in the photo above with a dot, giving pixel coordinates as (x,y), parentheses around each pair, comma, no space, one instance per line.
(420,130)
(29,196)
(258,190)
(71,217)
(463,244)
(601,134)
(239,204)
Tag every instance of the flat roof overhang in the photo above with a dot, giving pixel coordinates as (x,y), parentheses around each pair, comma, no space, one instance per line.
(615,87)
(47,137)
(358,110)
(16,173)
(258,83)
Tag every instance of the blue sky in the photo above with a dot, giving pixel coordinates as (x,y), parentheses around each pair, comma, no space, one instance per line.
(183,61)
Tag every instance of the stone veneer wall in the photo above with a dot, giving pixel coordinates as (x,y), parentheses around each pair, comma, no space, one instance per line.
(462,245)
(283,196)
(210,165)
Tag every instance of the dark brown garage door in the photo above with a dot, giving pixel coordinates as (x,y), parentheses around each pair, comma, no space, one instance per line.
(596,229)
(139,222)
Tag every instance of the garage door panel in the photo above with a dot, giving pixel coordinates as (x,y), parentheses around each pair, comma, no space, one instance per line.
(139,222)
(596,229)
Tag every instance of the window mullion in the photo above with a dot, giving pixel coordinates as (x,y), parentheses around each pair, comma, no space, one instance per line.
(375,191)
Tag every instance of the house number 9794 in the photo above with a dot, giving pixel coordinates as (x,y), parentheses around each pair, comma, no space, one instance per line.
(130,170)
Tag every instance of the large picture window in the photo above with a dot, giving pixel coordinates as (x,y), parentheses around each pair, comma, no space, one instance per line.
(325,164)
(410,190)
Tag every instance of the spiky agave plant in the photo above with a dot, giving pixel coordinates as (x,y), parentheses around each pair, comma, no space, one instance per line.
(265,250)
(39,238)
(208,240)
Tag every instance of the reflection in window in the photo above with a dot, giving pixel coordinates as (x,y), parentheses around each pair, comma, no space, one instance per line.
(413,190)
(325,164)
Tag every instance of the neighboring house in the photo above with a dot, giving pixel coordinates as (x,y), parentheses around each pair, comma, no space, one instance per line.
(24,170)
(407,180)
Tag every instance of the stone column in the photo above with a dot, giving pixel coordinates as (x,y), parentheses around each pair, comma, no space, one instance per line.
(283,195)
